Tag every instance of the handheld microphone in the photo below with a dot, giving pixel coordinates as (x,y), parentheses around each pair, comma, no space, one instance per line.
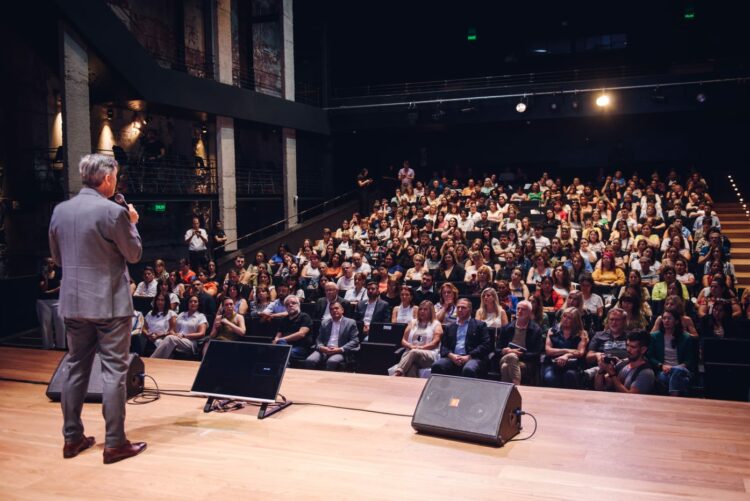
(119,199)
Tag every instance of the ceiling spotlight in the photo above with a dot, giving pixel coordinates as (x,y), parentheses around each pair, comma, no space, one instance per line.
(553,106)
(521,107)
(700,97)
(575,104)
(110,113)
(204,128)
(603,101)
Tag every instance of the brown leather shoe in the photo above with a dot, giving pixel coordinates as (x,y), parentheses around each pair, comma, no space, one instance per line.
(125,451)
(72,449)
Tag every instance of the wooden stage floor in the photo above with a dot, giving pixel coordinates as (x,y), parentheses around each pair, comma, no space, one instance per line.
(588,445)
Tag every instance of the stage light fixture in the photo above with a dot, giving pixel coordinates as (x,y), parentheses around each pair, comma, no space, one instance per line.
(700,97)
(110,113)
(204,129)
(603,100)
(522,105)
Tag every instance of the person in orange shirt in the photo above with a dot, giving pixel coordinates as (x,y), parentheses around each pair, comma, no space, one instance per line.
(186,274)
(210,287)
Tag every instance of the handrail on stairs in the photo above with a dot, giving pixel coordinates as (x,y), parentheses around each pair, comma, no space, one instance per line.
(320,207)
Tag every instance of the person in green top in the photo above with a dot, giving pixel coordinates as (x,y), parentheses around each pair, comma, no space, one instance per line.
(228,325)
(673,354)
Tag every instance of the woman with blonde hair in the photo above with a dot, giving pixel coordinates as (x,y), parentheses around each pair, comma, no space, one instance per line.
(490,311)
(445,310)
(421,341)
(565,347)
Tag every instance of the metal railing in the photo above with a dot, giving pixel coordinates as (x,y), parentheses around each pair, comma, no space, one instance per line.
(300,217)
(478,83)
(170,176)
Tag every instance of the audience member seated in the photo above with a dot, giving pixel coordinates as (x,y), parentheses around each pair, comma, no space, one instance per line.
(405,311)
(719,323)
(276,308)
(358,293)
(392,294)
(609,343)
(295,329)
(323,305)
(717,290)
(259,304)
(228,324)
(157,324)
(190,328)
(490,311)
(445,309)
(631,375)
(465,346)
(673,354)
(148,287)
(608,274)
(426,289)
(565,348)
(421,342)
(338,339)
(519,345)
(676,302)
(373,309)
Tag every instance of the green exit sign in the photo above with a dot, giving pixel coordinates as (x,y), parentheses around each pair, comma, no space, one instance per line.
(159,207)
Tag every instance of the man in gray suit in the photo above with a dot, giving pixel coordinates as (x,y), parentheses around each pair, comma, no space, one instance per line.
(338,339)
(94,239)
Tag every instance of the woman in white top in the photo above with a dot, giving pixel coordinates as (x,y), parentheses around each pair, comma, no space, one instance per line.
(164,287)
(160,321)
(416,272)
(494,214)
(421,341)
(190,327)
(359,291)
(490,311)
(405,312)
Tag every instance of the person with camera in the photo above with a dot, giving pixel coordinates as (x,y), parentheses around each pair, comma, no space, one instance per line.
(196,239)
(611,342)
(632,375)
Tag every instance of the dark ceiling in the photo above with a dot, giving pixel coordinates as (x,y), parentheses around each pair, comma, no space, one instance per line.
(401,41)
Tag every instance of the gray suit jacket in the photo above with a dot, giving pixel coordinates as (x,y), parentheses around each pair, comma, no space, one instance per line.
(93,239)
(348,335)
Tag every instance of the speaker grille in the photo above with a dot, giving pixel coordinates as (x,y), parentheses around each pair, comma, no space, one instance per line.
(470,409)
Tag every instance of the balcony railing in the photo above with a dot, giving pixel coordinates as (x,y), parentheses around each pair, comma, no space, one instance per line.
(168,176)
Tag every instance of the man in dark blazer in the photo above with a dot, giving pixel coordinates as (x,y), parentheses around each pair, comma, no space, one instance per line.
(93,239)
(322,306)
(374,309)
(465,345)
(338,340)
(519,345)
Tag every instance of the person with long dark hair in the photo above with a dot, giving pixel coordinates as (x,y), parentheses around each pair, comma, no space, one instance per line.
(673,354)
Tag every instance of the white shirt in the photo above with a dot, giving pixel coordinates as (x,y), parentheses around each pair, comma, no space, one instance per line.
(369,311)
(144,290)
(159,323)
(188,324)
(333,341)
(344,283)
(466,224)
(541,242)
(195,243)
(353,295)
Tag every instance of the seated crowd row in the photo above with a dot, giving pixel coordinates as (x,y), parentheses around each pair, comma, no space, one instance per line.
(572,285)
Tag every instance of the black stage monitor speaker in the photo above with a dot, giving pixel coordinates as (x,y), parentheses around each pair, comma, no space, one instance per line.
(133,382)
(469,409)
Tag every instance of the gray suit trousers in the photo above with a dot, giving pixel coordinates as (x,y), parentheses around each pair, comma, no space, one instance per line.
(111,338)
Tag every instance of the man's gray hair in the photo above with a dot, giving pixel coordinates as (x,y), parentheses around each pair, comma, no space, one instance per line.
(94,167)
